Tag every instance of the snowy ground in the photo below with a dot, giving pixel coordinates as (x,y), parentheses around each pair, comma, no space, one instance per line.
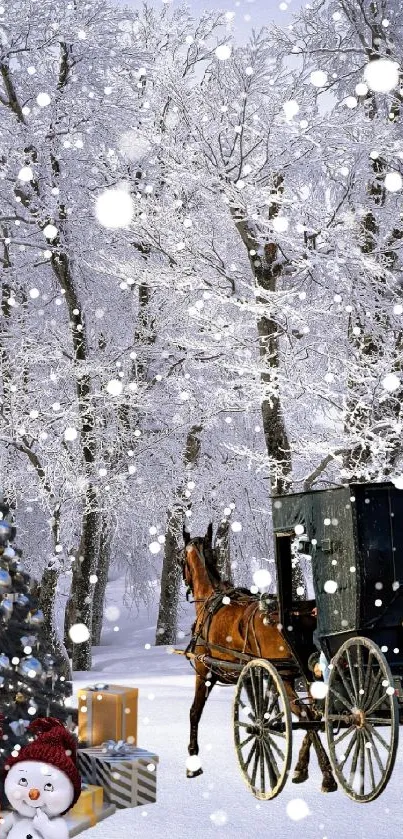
(216,803)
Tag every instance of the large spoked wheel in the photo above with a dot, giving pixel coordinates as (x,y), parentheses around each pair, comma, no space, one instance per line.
(362,719)
(262,729)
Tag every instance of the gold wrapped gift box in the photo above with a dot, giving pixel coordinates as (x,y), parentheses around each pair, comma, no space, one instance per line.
(107,712)
(90,803)
(76,823)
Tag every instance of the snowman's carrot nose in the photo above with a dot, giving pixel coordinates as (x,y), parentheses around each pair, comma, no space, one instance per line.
(34,794)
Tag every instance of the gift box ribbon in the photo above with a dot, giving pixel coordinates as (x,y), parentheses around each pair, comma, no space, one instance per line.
(116,748)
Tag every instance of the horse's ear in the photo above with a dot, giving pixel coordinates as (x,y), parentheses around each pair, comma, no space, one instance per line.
(209,535)
(186,536)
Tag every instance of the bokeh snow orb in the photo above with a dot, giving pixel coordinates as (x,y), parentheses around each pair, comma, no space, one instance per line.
(70,434)
(280,224)
(391,382)
(43,100)
(112,613)
(297,809)
(382,75)
(299,529)
(134,145)
(193,763)
(318,690)
(330,586)
(262,578)
(236,526)
(114,387)
(114,208)
(50,231)
(219,818)
(154,547)
(25,174)
(398,481)
(361,89)
(318,78)
(223,52)
(291,108)
(393,181)
(79,633)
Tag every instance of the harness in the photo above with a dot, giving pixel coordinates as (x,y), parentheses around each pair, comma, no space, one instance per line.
(212,605)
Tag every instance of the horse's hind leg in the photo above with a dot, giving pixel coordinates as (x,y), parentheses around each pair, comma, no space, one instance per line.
(328,781)
(202,692)
(301,769)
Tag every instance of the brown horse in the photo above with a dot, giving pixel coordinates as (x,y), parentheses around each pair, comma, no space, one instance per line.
(239,626)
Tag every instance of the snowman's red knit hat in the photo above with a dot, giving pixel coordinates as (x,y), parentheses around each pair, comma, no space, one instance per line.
(55,745)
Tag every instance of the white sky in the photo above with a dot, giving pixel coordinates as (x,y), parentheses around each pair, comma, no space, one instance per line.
(249,14)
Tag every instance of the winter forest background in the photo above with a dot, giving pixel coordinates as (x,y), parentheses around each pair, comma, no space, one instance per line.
(201,299)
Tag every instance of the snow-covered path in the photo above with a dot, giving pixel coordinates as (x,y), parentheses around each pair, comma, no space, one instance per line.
(217,802)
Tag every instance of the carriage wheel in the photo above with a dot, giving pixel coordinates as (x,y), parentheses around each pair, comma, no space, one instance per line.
(362,719)
(262,729)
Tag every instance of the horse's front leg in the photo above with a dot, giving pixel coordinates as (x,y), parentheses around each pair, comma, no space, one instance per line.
(202,692)
(301,769)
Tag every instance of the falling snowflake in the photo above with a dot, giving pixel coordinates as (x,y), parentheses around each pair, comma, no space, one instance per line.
(391,382)
(25,174)
(112,613)
(330,586)
(43,99)
(398,481)
(79,633)
(318,690)
(318,78)
(50,231)
(393,181)
(219,818)
(193,763)
(236,526)
(34,293)
(382,75)
(223,52)
(361,89)
(291,108)
(134,145)
(114,208)
(297,809)
(280,224)
(70,434)
(114,387)
(154,547)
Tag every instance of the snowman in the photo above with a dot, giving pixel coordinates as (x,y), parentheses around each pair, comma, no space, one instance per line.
(42,784)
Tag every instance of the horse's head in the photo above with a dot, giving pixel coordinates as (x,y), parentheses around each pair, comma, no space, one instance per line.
(199,549)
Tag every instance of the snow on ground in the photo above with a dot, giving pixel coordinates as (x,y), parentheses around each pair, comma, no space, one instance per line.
(217,803)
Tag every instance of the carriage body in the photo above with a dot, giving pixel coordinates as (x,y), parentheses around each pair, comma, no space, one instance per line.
(355,538)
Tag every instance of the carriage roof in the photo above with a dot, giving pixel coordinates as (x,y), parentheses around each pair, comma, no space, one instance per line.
(355,535)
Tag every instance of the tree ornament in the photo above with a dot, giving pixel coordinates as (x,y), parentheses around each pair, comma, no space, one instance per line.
(30,667)
(5,579)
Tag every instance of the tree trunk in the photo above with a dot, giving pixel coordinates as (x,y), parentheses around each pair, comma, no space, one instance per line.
(84,567)
(223,552)
(171,572)
(104,558)
(47,600)
(170,580)
(266,270)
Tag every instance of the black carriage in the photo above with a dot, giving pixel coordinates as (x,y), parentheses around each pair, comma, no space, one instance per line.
(340,552)
(352,537)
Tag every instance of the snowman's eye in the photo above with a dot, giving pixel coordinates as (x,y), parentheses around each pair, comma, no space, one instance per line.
(48,787)
(23,782)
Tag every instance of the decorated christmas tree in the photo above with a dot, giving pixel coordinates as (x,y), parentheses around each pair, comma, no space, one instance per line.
(31,680)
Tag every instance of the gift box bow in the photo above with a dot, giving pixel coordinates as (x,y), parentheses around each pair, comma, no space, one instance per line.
(116,748)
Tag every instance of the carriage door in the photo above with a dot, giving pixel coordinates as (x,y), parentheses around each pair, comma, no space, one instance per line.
(294,569)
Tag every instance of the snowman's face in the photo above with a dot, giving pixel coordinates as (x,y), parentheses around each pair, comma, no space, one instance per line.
(31,785)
